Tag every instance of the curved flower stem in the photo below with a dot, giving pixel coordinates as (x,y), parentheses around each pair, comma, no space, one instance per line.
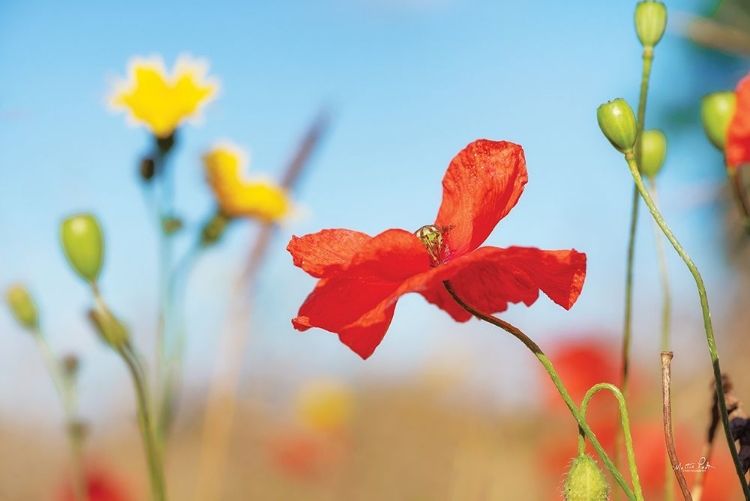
(666,386)
(66,390)
(539,354)
(632,165)
(144,420)
(625,421)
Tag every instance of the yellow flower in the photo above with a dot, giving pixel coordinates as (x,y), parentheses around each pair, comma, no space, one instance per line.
(325,406)
(240,197)
(160,101)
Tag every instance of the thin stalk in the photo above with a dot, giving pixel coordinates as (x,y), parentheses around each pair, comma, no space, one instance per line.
(648,57)
(66,390)
(155,469)
(710,339)
(666,388)
(625,421)
(145,418)
(166,199)
(547,364)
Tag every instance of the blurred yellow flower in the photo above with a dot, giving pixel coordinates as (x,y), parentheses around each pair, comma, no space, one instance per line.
(161,101)
(240,197)
(325,406)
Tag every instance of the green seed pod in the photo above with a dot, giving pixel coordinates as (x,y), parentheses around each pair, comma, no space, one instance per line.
(717,111)
(650,22)
(585,481)
(110,329)
(653,150)
(22,306)
(617,122)
(83,244)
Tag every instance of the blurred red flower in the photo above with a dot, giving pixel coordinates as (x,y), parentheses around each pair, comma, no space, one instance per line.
(738,135)
(304,455)
(101,486)
(582,363)
(362,277)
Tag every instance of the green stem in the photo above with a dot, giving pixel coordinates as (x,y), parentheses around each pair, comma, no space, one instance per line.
(174,355)
(148,433)
(155,468)
(539,354)
(666,308)
(633,166)
(625,421)
(66,390)
(627,324)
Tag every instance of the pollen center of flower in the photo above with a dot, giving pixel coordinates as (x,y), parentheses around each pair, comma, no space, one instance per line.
(432,239)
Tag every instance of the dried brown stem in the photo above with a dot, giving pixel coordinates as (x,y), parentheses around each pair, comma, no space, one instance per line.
(666,388)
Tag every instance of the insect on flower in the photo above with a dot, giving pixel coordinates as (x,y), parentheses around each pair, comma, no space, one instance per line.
(362,277)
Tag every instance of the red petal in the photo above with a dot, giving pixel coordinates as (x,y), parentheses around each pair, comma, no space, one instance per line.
(327,251)
(482,184)
(490,277)
(355,302)
(738,135)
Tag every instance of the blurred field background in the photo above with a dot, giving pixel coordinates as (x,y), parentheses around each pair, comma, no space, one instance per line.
(442,411)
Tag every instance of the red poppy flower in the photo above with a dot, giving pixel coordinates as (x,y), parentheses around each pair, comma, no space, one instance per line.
(100,486)
(738,135)
(362,277)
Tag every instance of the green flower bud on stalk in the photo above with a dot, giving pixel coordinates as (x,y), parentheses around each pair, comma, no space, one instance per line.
(650,22)
(617,122)
(171,225)
(717,111)
(585,481)
(22,306)
(214,229)
(110,329)
(653,150)
(83,244)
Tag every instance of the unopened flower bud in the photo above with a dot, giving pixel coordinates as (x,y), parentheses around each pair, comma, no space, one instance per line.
(83,245)
(585,481)
(617,122)
(214,229)
(650,22)
(717,111)
(22,306)
(110,329)
(171,225)
(147,168)
(653,150)
(165,144)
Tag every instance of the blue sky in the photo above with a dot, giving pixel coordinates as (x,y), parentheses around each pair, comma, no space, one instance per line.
(410,83)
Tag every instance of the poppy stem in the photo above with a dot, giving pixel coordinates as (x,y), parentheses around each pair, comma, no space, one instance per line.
(583,427)
(66,387)
(666,387)
(711,340)
(153,454)
(625,421)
